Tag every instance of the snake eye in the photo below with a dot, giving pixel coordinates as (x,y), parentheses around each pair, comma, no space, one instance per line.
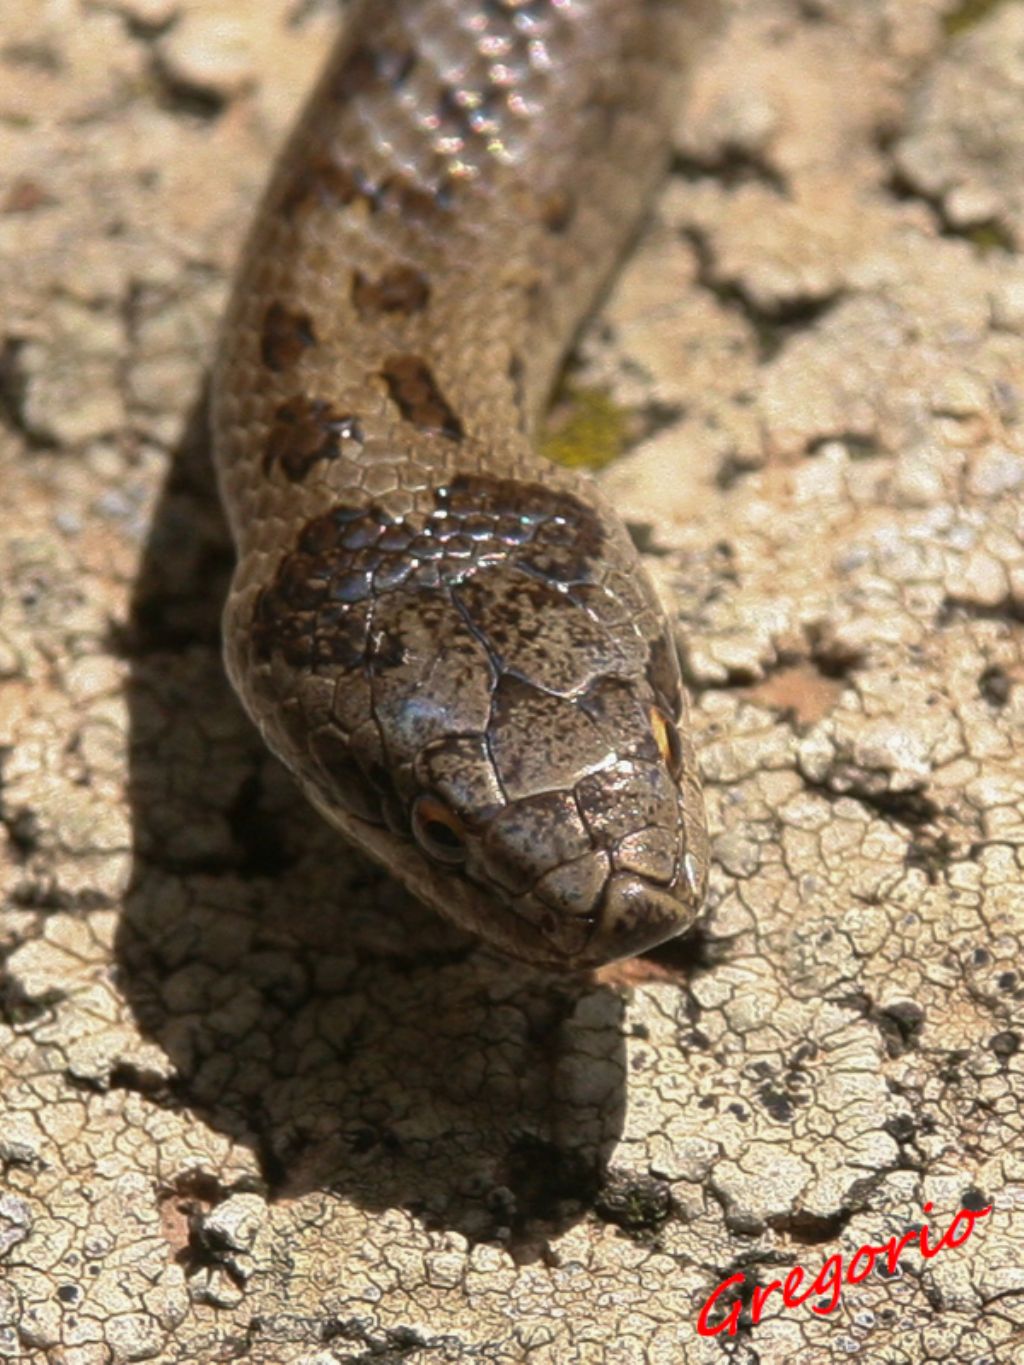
(439,830)
(666,736)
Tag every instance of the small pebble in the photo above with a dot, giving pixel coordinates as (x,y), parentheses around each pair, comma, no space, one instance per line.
(209,52)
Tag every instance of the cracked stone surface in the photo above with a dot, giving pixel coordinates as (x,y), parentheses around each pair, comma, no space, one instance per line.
(258,1106)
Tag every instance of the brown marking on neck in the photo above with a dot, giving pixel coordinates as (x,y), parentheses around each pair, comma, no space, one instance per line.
(415,392)
(284,336)
(366,68)
(517,378)
(402,290)
(557,211)
(324,181)
(305,431)
(418,203)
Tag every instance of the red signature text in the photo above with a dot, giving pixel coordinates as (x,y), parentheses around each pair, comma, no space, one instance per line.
(827,1285)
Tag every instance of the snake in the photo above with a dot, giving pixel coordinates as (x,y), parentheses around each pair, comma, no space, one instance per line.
(451,642)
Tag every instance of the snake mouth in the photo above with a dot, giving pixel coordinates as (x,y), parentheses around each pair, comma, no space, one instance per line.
(635,915)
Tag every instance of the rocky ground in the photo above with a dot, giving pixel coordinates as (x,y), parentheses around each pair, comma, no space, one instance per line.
(258,1106)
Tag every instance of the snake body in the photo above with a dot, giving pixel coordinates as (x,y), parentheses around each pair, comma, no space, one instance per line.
(450,642)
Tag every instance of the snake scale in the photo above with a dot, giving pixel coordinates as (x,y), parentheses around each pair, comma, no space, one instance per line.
(450,642)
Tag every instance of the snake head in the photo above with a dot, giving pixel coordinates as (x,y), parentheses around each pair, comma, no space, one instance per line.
(587,846)
(567,834)
(488,701)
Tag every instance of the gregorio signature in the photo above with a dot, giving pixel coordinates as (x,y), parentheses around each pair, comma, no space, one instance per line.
(827,1286)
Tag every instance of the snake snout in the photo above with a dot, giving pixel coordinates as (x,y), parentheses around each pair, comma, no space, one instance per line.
(636,915)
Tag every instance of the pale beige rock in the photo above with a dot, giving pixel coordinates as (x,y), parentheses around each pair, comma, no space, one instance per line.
(956,150)
(151,13)
(255,1105)
(208,51)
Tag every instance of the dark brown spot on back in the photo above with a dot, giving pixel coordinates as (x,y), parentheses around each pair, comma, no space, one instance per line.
(421,203)
(321,180)
(517,378)
(285,336)
(416,394)
(536,301)
(304,431)
(357,74)
(557,211)
(402,289)
(366,67)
